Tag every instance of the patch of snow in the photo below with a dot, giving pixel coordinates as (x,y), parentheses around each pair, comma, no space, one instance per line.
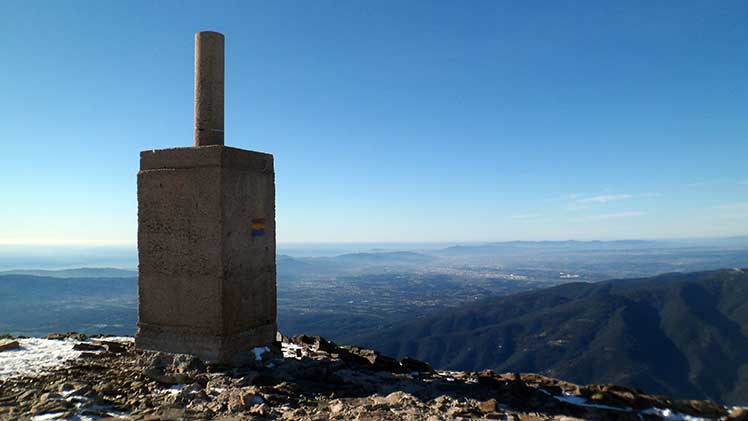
(259,351)
(580,401)
(35,356)
(289,350)
(121,339)
(53,416)
(117,414)
(666,414)
(173,390)
(670,415)
(67,392)
(61,416)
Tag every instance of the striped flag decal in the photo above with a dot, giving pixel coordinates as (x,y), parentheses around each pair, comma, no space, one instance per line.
(258,227)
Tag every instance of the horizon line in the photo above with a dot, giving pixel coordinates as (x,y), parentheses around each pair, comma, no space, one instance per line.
(121,243)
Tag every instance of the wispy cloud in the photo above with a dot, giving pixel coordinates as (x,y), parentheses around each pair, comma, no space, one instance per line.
(605,198)
(601,199)
(617,215)
(526,216)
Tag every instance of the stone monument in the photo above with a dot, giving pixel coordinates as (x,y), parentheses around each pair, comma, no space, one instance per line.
(206,235)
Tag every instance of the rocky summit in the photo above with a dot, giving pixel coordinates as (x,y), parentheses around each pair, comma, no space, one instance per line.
(309,378)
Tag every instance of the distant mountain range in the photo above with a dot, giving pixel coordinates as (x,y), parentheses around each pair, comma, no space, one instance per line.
(594,260)
(75,273)
(685,335)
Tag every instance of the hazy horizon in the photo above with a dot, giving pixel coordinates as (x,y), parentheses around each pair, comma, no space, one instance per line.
(58,257)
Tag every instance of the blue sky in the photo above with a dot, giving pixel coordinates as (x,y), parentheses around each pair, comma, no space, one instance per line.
(389,120)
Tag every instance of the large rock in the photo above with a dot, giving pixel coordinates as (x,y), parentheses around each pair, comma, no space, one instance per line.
(85,346)
(69,335)
(8,344)
(170,369)
(377,361)
(411,364)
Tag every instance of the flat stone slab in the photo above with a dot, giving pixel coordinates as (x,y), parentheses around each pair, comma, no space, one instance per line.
(8,344)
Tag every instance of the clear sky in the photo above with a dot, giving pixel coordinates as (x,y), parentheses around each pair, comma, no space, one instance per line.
(389,120)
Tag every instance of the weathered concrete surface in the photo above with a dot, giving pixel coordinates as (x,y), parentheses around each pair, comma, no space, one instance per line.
(209,88)
(206,244)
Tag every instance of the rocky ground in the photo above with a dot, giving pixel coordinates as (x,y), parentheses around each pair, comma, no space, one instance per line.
(309,378)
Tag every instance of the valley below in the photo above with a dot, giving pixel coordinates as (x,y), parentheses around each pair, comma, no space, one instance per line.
(542,307)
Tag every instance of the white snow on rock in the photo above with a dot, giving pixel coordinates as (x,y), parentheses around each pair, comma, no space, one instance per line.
(174,389)
(38,355)
(289,350)
(120,339)
(61,416)
(45,417)
(259,351)
(665,414)
(670,415)
(580,401)
(35,356)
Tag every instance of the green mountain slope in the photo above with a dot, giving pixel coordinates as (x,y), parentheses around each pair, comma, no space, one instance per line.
(685,335)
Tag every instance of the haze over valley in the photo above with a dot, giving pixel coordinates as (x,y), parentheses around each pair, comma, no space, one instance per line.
(329,295)
(414,302)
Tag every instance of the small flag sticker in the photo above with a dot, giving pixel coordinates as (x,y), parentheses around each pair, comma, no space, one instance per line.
(258,227)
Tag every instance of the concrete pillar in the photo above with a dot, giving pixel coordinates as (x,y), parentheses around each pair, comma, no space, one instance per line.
(209,87)
(206,248)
